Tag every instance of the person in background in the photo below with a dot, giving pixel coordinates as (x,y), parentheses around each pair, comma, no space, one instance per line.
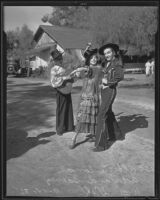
(90,97)
(152,66)
(63,85)
(107,129)
(148,68)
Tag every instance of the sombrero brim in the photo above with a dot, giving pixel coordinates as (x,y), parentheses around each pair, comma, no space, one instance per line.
(55,54)
(115,47)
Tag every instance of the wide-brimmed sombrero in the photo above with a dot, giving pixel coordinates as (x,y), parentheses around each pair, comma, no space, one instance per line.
(115,47)
(56,54)
(88,54)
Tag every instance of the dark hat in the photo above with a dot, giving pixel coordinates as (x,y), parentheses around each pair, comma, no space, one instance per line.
(56,54)
(88,53)
(115,47)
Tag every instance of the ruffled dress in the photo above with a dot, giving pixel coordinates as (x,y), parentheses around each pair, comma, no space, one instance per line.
(89,103)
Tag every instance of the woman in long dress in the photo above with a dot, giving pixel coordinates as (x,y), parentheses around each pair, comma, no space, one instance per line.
(90,97)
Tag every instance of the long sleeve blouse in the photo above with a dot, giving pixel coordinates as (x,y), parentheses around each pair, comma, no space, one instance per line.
(57,74)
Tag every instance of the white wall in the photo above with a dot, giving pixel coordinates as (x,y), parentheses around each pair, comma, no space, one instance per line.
(43,57)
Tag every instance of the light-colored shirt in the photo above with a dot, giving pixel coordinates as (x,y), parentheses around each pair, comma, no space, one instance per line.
(104,80)
(148,68)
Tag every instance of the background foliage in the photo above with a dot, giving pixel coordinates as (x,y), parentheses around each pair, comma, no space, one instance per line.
(128,26)
(18,41)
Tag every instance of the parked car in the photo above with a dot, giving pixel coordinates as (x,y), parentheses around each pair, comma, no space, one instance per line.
(22,71)
(11,65)
(18,68)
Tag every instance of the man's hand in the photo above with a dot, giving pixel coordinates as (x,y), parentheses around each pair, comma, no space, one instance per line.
(66,77)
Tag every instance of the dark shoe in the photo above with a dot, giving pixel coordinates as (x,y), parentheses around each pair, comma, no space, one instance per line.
(98,149)
(89,136)
(122,137)
(92,139)
(112,139)
(60,134)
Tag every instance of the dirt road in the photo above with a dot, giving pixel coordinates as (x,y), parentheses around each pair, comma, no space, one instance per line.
(40,163)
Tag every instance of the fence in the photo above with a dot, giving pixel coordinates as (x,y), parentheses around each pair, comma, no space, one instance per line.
(134,68)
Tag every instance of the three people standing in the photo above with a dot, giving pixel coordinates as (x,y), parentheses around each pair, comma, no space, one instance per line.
(95,115)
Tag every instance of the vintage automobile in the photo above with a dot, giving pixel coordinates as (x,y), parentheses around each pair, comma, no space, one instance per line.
(22,71)
(17,68)
(11,65)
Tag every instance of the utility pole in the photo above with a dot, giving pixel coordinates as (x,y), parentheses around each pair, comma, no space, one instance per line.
(28,66)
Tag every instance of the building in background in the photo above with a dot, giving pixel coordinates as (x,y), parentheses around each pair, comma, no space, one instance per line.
(70,42)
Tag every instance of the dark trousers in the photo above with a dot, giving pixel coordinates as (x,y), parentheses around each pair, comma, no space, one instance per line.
(107,127)
(64,113)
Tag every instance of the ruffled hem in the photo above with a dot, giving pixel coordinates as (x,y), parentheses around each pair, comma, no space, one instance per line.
(86,128)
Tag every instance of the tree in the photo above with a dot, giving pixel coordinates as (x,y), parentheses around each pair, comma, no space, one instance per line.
(71,16)
(12,38)
(22,37)
(25,38)
(128,26)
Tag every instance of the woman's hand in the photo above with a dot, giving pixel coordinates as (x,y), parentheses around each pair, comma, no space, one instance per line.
(100,86)
(104,80)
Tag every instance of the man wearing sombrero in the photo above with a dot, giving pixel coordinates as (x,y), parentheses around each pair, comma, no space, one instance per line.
(107,127)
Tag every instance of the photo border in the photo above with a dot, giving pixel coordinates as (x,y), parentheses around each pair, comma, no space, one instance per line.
(4,105)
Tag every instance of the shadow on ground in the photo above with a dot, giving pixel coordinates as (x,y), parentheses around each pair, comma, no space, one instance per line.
(37,91)
(131,122)
(137,86)
(10,82)
(29,106)
(28,109)
(19,143)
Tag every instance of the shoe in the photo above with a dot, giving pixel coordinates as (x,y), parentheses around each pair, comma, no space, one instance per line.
(89,136)
(91,139)
(73,145)
(111,139)
(60,134)
(98,149)
(121,137)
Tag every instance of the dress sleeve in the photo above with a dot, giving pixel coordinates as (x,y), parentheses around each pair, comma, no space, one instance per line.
(56,80)
(81,74)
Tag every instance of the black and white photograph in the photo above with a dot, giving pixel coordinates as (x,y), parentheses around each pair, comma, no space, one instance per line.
(80,100)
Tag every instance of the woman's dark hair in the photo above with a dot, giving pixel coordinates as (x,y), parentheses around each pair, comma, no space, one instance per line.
(87,61)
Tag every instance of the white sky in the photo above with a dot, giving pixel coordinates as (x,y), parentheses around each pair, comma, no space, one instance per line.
(17,16)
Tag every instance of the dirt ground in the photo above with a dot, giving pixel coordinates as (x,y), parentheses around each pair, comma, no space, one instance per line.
(40,163)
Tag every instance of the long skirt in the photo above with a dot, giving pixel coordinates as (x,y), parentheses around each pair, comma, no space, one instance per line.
(87,116)
(107,127)
(64,113)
